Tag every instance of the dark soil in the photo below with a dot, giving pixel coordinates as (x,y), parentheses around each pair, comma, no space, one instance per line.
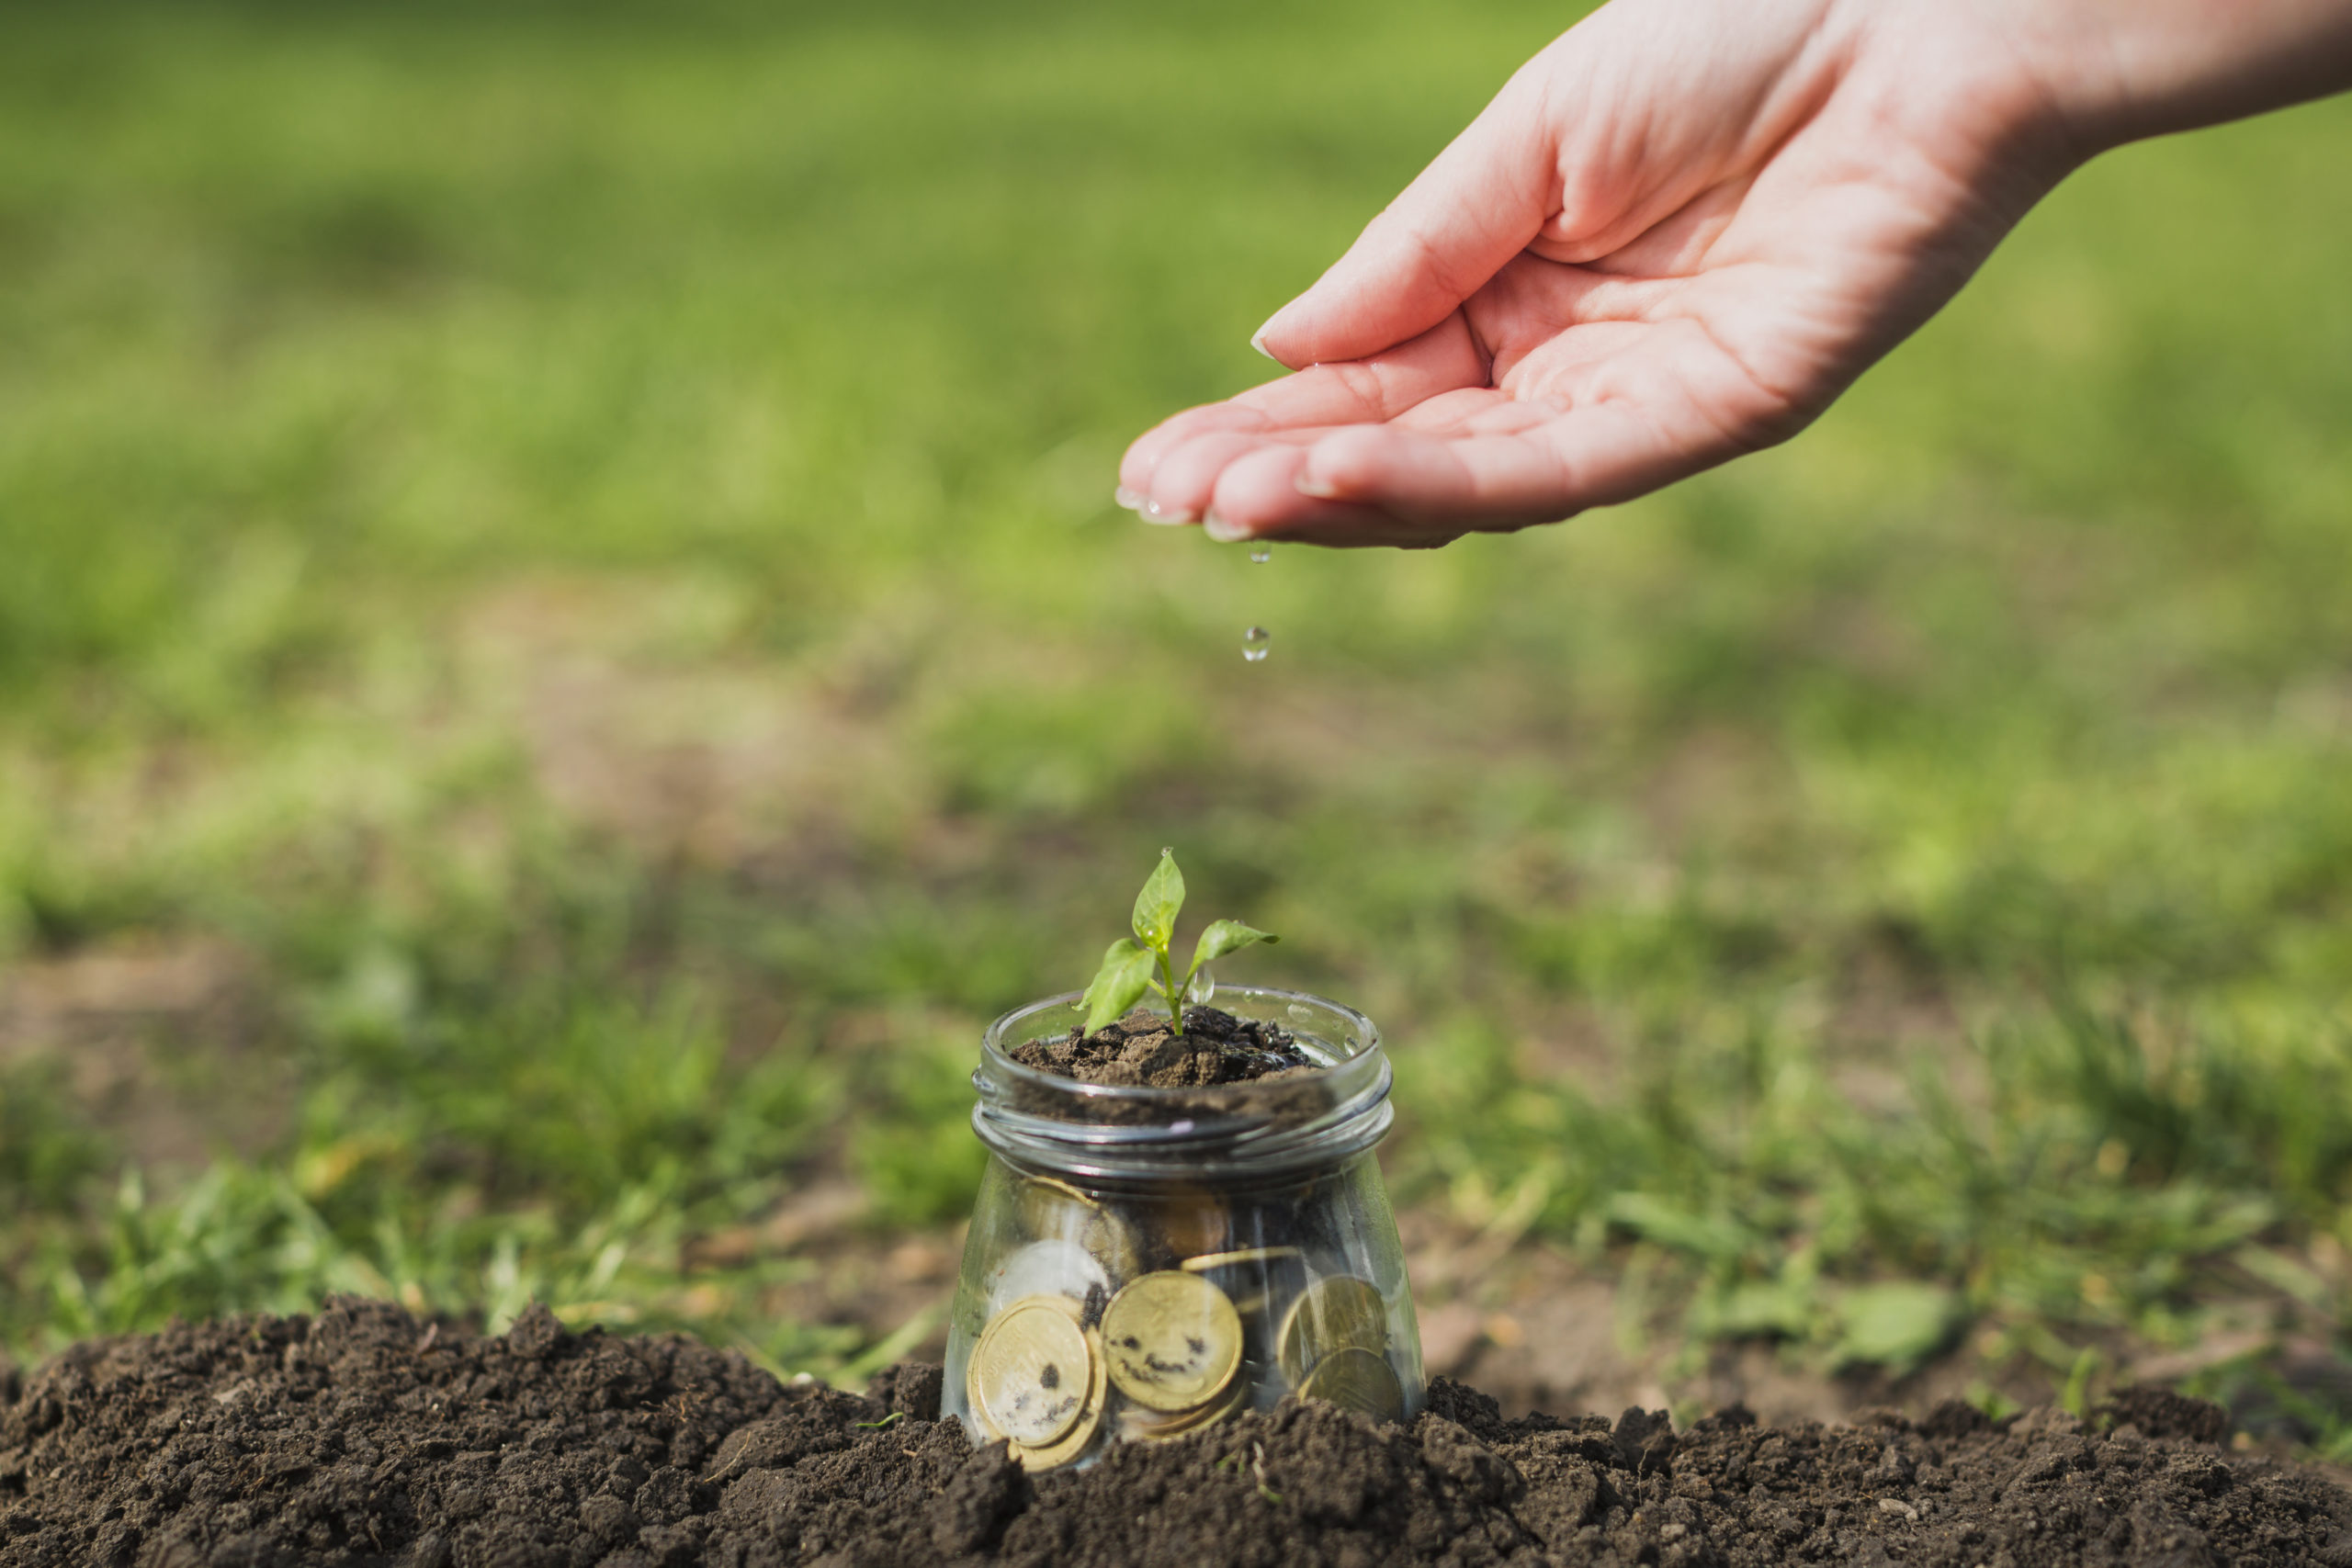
(362,1435)
(1140,1050)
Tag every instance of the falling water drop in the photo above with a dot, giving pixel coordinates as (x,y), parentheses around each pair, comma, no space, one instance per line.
(1262,554)
(1253,643)
(1203,988)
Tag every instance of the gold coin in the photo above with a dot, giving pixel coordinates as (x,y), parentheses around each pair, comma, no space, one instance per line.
(1356,1379)
(1337,1311)
(1173,1340)
(1254,1277)
(1031,1369)
(1216,1261)
(1048,1207)
(1054,1268)
(975,1406)
(1052,1210)
(1152,1427)
(1080,1435)
(1192,1220)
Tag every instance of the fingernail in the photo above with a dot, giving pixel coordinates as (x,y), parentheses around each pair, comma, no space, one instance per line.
(1155,513)
(1310,482)
(1257,338)
(1222,531)
(1131,499)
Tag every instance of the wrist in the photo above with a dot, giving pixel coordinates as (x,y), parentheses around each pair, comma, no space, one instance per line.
(2117,71)
(2002,107)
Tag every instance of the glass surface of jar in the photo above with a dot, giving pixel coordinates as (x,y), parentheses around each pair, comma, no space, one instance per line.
(1145,1262)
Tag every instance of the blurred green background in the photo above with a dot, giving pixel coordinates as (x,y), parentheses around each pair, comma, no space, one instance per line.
(563,645)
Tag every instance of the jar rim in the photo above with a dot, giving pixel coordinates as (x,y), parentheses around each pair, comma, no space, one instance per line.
(1144,1131)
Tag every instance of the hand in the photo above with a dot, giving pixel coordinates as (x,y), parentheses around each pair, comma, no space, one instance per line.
(1675,236)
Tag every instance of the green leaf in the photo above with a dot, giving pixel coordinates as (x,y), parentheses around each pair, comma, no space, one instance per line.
(1221,938)
(1118,984)
(1718,1237)
(1898,1324)
(1156,905)
(1753,1308)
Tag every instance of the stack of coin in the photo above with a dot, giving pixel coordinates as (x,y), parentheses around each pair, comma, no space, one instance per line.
(1141,1317)
(1334,1345)
(1036,1380)
(1173,1345)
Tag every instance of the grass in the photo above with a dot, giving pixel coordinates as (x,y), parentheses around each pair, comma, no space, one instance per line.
(578,546)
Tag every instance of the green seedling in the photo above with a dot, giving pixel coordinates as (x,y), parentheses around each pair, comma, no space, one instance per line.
(1135,968)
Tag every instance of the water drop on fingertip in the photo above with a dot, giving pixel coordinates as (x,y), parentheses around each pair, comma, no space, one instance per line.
(1253,643)
(1262,554)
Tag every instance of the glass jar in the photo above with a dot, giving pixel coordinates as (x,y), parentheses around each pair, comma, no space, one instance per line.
(1144,1262)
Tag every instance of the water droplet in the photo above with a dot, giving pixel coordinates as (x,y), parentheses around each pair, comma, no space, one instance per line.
(1253,643)
(1262,554)
(1203,988)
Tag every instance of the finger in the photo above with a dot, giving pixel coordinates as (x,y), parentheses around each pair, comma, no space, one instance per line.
(1596,454)
(1476,206)
(1258,498)
(1185,478)
(1185,481)
(1144,453)
(1474,481)
(1443,359)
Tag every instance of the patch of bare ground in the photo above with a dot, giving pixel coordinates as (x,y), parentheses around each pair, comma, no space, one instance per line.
(165,1042)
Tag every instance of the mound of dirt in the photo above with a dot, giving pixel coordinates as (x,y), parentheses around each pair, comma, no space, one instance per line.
(364,1436)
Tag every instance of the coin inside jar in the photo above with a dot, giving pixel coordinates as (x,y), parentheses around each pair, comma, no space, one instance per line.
(1054,1268)
(1211,1262)
(1030,1372)
(1356,1379)
(1152,1425)
(1074,1443)
(1253,1278)
(1189,1220)
(1172,1341)
(1336,1313)
(1055,1211)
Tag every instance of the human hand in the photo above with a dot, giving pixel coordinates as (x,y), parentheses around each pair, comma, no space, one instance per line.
(1675,236)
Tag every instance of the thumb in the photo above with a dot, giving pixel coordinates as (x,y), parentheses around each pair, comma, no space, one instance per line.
(1469,212)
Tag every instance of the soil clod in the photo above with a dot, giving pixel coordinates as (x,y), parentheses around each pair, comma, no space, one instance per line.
(360,1438)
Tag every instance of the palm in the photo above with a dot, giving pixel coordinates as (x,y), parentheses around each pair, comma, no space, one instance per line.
(1639,315)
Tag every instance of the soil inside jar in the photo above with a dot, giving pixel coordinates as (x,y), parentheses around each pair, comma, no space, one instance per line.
(1142,1050)
(362,1437)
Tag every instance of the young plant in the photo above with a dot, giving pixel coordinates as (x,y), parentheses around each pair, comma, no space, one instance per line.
(1142,965)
